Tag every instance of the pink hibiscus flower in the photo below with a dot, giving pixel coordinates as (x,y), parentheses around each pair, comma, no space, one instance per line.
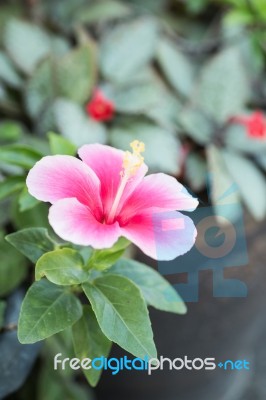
(106,195)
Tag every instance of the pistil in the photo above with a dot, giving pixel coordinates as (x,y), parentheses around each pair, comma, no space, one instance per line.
(131,163)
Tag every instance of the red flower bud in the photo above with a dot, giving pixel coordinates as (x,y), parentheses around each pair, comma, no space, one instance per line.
(100,108)
(255,124)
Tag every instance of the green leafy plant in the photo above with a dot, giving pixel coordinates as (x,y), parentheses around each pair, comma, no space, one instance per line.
(124,287)
(177,74)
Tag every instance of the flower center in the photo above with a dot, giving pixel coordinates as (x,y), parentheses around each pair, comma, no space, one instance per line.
(131,163)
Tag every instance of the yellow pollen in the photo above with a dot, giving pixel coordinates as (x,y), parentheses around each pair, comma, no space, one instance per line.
(132,161)
(137,146)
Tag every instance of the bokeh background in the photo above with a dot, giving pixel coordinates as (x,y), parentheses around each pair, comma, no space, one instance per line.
(188,79)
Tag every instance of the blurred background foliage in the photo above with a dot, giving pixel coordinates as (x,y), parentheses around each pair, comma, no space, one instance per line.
(177,72)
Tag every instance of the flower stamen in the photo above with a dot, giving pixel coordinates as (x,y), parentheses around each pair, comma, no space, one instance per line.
(131,163)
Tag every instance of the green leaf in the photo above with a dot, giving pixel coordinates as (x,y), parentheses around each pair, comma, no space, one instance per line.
(45,121)
(90,342)
(31,218)
(196,6)
(102,11)
(8,12)
(103,259)
(11,185)
(122,314)
(176,67)
(150,6)
(41,89)
(12,269)
(261,160)
(72,76)
(5,212)
(236,138)
(76,126)
(10,131)
(157,291)
(36,142)
(26,201)
(26,43)
(21,156)
(195,171)
(223,191)
(260,7)
(63,14)
(59,45)
(62,267)
(197,125)
(9,104)
(32,242)
(121,53)
(2,312)
(167,111)
(46,310)
(60,145)
(136,98)
(8,74)
(224,86)
(251,183)
(162,147)
(13,373)
(77,73)
(239,17)
(53,386)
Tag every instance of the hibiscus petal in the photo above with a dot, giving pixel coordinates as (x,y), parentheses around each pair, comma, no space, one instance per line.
(74,222)
(107,163)
(161,235)
(58,177)
(158,192)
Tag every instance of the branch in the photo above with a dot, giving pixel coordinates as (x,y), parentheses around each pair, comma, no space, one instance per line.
(9,328)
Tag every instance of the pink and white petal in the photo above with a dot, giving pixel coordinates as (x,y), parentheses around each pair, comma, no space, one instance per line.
(74,222)
(132,184)
(58,177)
(158,191)
(162,236)
(107,163)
